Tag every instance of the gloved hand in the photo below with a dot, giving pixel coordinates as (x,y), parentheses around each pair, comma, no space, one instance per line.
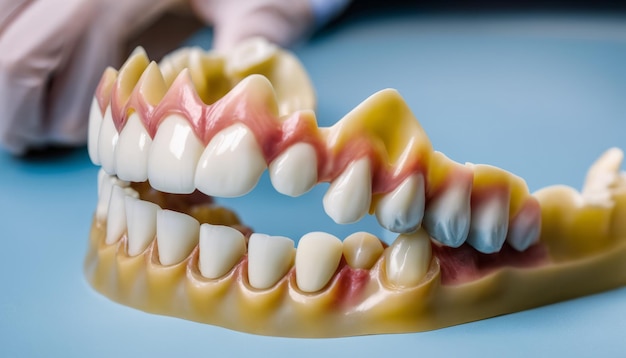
(53,52)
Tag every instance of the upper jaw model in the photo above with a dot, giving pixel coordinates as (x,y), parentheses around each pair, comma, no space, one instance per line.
(472,241)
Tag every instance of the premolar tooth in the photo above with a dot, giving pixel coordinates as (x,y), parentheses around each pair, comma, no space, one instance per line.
(447,217)
(173,156)
(116,217)
(402,209)
(107,142)
(141,222)
(489,224)
(133,147)
(221,247)
(231,164)
(294,172)
(349,195)
(269,259)
(317,259)
(95,122)
(362,250)
(407,260)
(177,234)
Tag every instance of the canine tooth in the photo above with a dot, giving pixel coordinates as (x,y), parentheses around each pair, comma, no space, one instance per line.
(177,234)
(349,195)
(95,122)
(173,156)
(402,209)
(317,259)
(294,172)
(221,247)
(116,217)
(132,151)
(104,195)
(231,164)
(525,227)
(362,249)
(141,222)
(269,259)
(107,141)
(489,225)
(407,260)
(447,218)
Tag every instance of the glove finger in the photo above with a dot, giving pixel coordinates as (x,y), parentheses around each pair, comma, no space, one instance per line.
(11,9)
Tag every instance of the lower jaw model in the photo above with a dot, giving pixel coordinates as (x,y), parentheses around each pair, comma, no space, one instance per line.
(472,242)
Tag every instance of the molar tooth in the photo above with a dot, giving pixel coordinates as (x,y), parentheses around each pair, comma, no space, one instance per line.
(489,224)
(173,156)
(525,227)
(107,142)
(95,122)
(116,217)
(402,209)
(407,260)
(317,259)
(176,234)
(231,164)
(132,151)
(349,195)
(269,259)
(362,250)
(141,222)
(447,217)
(221,247)
(294,172)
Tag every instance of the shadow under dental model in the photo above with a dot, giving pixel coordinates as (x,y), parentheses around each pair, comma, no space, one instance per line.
(471,241)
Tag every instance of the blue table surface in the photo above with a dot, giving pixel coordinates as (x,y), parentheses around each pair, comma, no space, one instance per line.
(539,95)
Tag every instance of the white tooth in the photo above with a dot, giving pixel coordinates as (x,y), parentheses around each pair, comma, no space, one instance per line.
(407,260)
(269,259)
(525,228)
(105,186)
(317,259)
(349,195)
(402,209)
(173,156)
(95,121)
(141,222)
(107,141)
(489,225)
(231,164)
(116,218)
(362,250)
(177,235)
(221,247)
(294,172)
(133,147)
(447,217)
(102,176)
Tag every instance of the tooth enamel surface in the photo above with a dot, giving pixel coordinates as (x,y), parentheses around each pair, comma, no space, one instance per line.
(489,225)
(107,142)
(141,222)
(221,247)
(362,250)
(116,219)
(173,156)
(95,122)
(294,172)
(317,259)
(269,259)
(447,217)
(524,230)
(231,164)
(407,260)
(133,147)
(349,195)
(251,54)
(177,234)
(402,209)
(105,187)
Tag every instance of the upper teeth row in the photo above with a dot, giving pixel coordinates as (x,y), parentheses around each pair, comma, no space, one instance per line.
(269,257)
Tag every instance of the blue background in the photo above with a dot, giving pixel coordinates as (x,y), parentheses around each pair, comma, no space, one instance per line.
(539,95)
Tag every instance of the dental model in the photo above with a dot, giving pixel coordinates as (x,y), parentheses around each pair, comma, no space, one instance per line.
(472,241)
